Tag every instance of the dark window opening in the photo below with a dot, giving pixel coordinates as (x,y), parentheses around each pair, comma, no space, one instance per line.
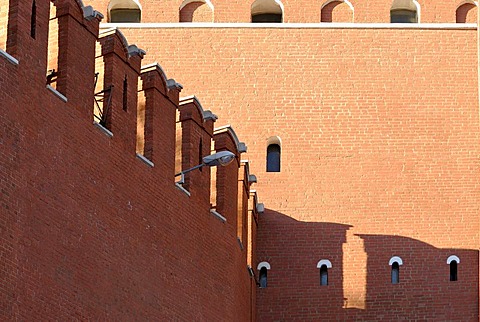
(273,158)
(395,273)
(263,277)
(33,21)
(403,16)
(453,271)
(323,275)
(125,15)
(125,94)
(267,17)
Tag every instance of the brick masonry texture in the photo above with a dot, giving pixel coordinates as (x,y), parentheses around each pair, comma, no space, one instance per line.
(88,231)
(379,133)
(298,11)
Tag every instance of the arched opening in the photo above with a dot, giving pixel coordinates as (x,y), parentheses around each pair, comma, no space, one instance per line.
(124,11)
(395,262)
(395,273)
(404,11)
(467,12)
(267,11)
(453,262)
(196,11)
(273,158)
(263,267)
(324,265)
(337,11)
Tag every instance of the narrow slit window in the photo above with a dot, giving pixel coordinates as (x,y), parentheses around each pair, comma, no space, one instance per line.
(263,277)
(33,21)
(273,158)
(453,271)
(263,267)
(324,275)
(324,265)
(453,262)
(395,273)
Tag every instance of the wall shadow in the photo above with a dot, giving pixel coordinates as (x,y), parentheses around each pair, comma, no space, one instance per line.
(425,292)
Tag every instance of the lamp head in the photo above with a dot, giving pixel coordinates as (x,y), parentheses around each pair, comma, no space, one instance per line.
(260,208)
(220,158)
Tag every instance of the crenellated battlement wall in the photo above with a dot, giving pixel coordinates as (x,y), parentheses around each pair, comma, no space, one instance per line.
(95,223)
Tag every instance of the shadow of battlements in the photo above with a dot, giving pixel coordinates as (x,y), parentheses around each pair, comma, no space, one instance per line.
(359,281)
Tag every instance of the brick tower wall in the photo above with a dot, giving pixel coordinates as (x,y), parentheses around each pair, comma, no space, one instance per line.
(379,138)
(296,11)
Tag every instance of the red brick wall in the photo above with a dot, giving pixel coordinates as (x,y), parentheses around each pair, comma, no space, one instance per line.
(294,10)
(87,230)
(379,134)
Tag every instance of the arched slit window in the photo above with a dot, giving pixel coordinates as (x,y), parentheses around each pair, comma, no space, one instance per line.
(273,154)
(267,11)
(404,11)
(324,266)
(263,267)
(395,262)
(124,11)
(453,262)
(467,12)
(196,11)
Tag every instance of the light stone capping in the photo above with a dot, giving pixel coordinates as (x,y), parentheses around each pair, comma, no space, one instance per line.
(218,215)
(60,95)
(145,160)
(103,129)
(326,25)
(9,57)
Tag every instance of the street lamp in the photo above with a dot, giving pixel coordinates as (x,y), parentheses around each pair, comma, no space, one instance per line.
(220,158)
